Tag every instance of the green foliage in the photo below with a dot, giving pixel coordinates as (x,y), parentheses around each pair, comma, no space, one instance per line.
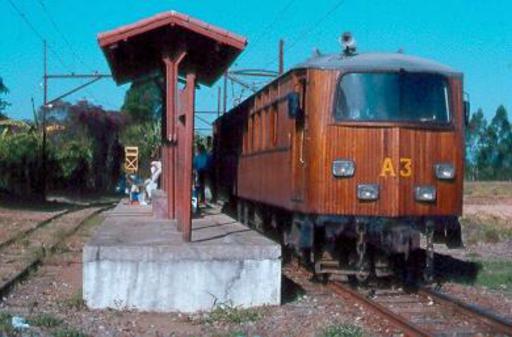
(5,324)
(143,102)
(75,159)
(342,330)
(495,275)
(488,147)
(45,320)
(76,301)
(147,137)
(20,162)
(228,313)
(69,332)
(3,104)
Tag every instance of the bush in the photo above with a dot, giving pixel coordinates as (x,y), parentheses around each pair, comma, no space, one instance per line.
(74,160)
(20,155)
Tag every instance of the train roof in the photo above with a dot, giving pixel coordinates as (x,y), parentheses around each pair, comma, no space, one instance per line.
(365,62)
(376,62)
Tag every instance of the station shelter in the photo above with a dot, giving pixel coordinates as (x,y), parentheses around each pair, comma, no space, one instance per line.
(182,49)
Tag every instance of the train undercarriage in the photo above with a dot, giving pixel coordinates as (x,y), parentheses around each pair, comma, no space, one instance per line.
(355,248)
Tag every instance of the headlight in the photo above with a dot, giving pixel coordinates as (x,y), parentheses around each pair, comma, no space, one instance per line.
(425,193)
(368,192)
(343,168)
(445,171)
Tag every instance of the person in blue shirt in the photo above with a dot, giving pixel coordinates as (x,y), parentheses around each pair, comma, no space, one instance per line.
(200,165)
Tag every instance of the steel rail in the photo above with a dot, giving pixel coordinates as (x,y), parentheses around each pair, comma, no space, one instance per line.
(495,322)
(408,328)
(6,286)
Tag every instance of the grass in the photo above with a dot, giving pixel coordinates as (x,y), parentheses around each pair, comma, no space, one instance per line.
(45,321)
(485,229)
(69,332)
(75,301)
(342,330)
(5,324)
(488,189)
(232,314)
(496,275)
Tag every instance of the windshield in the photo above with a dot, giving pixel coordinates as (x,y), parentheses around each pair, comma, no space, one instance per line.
(407,97)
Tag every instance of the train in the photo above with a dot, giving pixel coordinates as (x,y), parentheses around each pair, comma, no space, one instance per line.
(350,159)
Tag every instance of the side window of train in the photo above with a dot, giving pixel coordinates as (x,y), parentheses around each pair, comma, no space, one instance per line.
(341,104)
(294,108)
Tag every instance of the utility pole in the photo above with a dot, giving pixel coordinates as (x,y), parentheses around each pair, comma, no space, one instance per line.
(219,93)
(45,102)
(281,57)
(225,103)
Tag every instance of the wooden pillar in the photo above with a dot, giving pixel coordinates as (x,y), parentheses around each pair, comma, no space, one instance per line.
(187,142)
(170,141)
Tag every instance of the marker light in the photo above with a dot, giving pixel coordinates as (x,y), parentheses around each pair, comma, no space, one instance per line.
(425,193)
(343,168)
(368,192)
(445,171)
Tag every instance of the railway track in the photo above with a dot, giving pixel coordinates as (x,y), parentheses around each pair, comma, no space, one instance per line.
(428,313)
(424,312)
(23,252)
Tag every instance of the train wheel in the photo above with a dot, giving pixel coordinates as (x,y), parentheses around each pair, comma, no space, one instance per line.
(428,273)
(240,211)
(245,214)
(259,220)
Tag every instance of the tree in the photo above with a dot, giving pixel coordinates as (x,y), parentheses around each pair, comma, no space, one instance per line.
(143,102)
(87,144)
(143,110)
(501,134)
(474,132)
(488,145)
(148,138)
(3,104)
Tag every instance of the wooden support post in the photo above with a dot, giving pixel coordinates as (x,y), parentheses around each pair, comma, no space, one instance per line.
(171,84)
(187,151)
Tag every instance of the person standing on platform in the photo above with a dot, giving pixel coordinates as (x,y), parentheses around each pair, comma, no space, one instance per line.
(210,176)
(200,165)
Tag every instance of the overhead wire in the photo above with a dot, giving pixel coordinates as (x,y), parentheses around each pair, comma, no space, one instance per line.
(40,36)
(308,31)
(267,28)
(62,35)
(36,32)
(265,31)
(70,46)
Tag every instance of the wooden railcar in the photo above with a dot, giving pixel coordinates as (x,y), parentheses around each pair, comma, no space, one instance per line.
(320,141)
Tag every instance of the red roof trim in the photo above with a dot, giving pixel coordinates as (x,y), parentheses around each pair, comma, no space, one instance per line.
(171,18)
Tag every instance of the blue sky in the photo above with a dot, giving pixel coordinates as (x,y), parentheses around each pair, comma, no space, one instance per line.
(472,36)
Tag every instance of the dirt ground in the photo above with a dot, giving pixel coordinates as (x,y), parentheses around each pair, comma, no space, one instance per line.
(51,296)
(55,290)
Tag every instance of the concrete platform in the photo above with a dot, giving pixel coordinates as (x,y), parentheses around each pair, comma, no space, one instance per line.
(135,261)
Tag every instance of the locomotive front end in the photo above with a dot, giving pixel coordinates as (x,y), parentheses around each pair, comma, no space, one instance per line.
(394,160)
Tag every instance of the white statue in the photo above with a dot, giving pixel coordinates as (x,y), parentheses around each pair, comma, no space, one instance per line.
(151,184)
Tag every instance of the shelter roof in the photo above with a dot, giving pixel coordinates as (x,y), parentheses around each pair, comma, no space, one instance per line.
(136,50)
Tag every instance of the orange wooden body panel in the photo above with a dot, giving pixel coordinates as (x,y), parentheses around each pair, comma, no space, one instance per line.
(294,171)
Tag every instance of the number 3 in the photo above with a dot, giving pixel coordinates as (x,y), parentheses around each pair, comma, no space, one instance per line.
(406,167)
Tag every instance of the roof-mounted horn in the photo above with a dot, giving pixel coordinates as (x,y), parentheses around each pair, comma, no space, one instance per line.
(348,44)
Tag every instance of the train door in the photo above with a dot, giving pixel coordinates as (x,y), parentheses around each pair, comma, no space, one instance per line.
(298,142)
